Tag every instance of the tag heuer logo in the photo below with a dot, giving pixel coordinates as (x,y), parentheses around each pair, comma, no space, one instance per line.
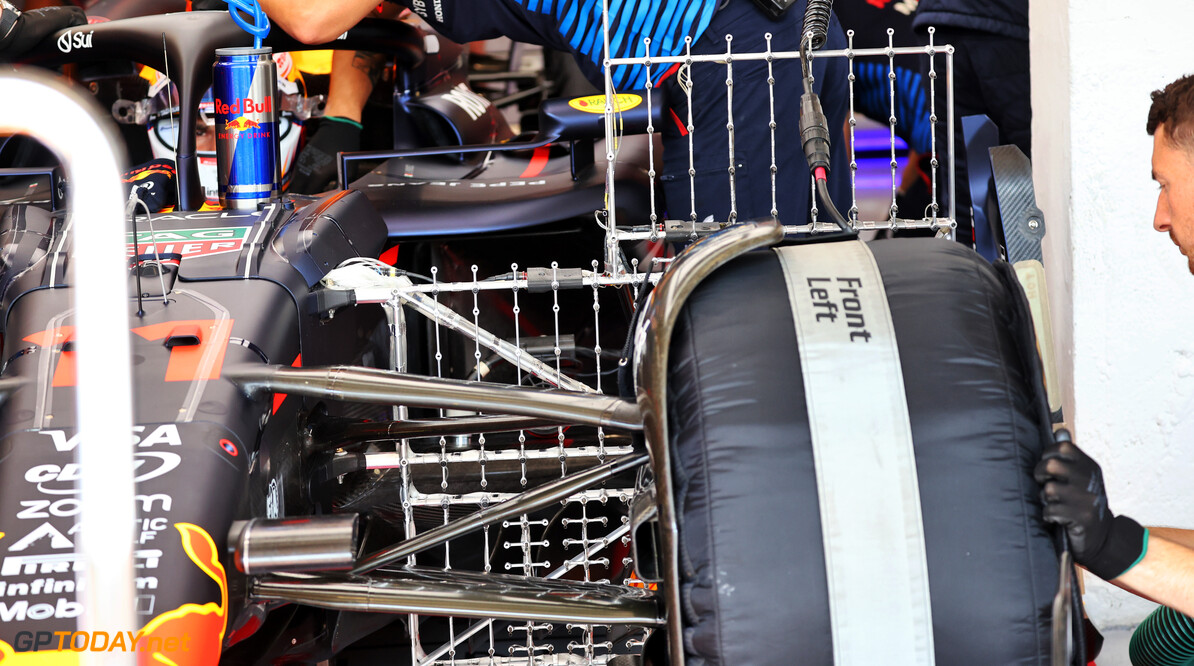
(189,242)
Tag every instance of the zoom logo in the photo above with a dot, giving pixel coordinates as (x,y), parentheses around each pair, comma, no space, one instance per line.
(70,41)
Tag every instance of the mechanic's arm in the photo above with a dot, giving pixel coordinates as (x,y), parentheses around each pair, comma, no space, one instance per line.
(1114,548)
(1165,575)
(1173,535)
(21,31)
(353,75)
(317,21)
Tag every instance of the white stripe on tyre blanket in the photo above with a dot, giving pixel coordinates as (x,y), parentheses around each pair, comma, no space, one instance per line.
(862,444)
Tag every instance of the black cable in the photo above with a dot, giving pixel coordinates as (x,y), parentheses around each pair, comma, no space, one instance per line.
(834,213)
(817,14)
(424,278)
(814,128)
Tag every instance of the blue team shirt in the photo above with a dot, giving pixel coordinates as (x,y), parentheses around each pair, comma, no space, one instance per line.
(576,25)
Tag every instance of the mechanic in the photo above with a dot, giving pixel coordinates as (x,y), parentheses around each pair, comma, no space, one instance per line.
(353,75)
(576,26)
(21,31)
(1157,562)
(991,64)
(991,74)
(870,20)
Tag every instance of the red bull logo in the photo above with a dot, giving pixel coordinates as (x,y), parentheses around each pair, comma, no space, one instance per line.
(243,106)
(190,635)
(241,123)
(204,623)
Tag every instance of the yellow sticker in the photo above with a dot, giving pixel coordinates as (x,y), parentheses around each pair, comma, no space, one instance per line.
(596,103)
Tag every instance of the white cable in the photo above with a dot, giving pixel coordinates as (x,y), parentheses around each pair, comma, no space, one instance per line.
(156,255)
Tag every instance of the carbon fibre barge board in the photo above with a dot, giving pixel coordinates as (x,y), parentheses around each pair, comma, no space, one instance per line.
(1024,229)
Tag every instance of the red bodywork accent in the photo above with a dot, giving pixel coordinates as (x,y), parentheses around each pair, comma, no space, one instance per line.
(64,373)
(279,398)
(194,362)
(390,256)
(538,162)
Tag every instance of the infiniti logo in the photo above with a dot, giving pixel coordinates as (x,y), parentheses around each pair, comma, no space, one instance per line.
(69,41)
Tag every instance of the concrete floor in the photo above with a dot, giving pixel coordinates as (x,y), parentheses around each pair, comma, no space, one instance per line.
(1115,648)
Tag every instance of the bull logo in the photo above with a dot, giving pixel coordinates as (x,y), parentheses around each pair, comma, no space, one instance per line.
(241,123)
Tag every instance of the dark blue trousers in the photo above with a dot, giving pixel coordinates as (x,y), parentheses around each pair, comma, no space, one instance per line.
(752,136)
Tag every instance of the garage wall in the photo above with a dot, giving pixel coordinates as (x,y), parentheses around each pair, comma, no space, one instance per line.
(1123,298)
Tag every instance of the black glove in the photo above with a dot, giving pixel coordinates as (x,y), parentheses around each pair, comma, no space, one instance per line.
(20,32)
(1075,498)
(315,168)
(153,183)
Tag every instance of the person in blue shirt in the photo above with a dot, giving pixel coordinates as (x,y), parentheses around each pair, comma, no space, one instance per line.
(870,20)
(576,26)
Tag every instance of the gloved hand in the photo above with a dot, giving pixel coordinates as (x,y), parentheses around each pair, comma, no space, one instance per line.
(21,31)
(315,168)
(1075,498)
(153,183)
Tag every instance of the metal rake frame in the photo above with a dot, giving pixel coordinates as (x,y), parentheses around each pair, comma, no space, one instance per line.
(378,586)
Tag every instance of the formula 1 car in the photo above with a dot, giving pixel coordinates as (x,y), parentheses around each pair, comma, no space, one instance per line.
(424,459)
(250,285)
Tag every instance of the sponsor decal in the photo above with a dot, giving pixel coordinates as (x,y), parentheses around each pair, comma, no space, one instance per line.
(44,531)
(74,39)
(436,10)
(596,103)
(285,63)
(241,123)
(42,586)
(188,242)
(214,214)
(22,611)
(467,100)
(457,183)
(207,176)
(204,623)
(54,479)
(244,106)
(64,508)
(167,434)
(237,125)
(190,635)
(67,562)
(60,479)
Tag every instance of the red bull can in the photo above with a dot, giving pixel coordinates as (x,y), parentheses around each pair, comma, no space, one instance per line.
(245,88)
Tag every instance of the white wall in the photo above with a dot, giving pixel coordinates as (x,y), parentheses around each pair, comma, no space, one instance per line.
(1123,299)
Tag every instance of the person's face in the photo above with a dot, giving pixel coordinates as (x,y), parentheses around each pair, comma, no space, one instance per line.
(1173,169)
